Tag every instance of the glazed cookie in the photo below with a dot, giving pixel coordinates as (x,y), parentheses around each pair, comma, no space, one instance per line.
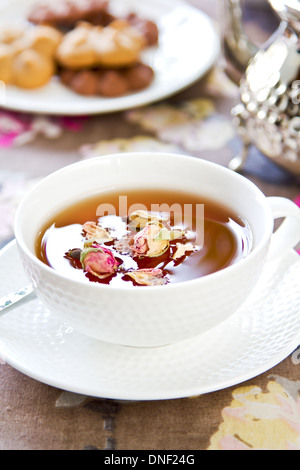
(6,61)
(9,33)
(27,55)
(116,45)
(31,69)
(43,39)
(75,50)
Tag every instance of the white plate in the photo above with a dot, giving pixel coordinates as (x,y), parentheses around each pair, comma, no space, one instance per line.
(263,333)
(188,48)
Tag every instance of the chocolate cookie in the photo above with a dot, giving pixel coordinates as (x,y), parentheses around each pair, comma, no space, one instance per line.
(108,82)
(67,13)
(146,27)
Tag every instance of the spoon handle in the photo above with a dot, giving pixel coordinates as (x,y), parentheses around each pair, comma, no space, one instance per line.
(14,299)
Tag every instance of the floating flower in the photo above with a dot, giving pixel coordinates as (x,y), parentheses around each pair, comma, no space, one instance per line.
(99,261)
(144,243)
(123,245)
(166,234)
(148,277)
(183,248)
(96,233)
(139,218)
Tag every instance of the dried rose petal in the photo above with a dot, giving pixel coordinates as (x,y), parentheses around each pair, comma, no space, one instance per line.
(140,246)
(144,243)
(139,218)
(183,248)
(96,232)
(148,277)
(99,261)
(123,245)
(166,234)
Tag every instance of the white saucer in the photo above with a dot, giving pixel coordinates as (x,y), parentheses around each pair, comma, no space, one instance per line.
(259,336)
(188,47)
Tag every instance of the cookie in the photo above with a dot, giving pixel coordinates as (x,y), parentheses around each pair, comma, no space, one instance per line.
(138,77)
(30,69)
(84,82)
(75,50)
(147,28)
(116,45)
(100,56)
(112,83)
(27,55)
(43,39)
(6,61)
(9,33)
(67,13)
(108,83)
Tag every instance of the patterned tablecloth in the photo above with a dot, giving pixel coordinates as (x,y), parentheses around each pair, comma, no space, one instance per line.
(262,413)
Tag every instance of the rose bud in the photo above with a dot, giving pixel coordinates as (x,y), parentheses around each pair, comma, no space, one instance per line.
(145,244)
(99,261)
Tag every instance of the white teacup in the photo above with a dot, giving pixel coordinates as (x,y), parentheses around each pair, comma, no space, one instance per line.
(153,315)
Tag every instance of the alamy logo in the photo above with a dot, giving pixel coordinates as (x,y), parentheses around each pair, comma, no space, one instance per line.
(2,93)
(182,215)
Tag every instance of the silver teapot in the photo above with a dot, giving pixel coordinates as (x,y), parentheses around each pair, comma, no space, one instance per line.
(268,114)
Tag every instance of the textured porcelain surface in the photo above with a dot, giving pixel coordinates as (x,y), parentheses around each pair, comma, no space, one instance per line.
(149,316)
(257,337)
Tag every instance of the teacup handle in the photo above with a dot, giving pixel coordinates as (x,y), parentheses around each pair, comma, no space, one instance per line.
(287,235)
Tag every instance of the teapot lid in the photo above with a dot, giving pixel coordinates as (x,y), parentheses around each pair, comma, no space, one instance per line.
(288,10)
